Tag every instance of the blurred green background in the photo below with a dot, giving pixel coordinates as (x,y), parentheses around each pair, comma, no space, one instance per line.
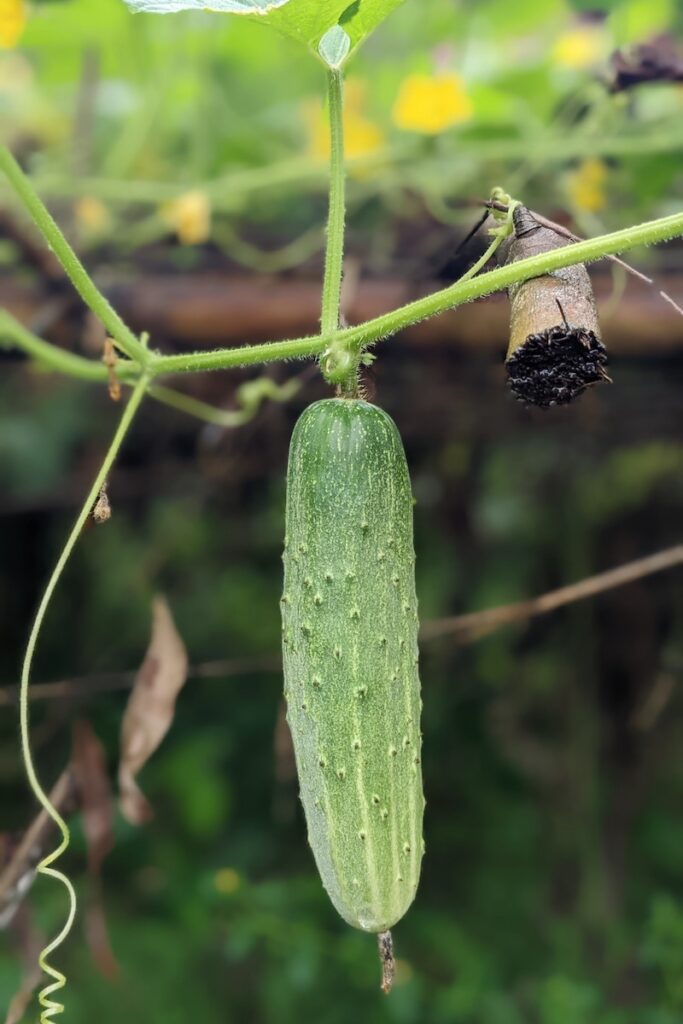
(553,752)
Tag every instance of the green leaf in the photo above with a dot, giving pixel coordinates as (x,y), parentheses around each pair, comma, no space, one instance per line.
(638,20)
(259,8)
(363,16)
(308,21)
(334,46)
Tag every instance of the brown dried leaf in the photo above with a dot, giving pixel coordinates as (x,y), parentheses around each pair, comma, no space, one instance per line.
(89,765)
(97,935)
(101,513)
(658,60)
(150,709)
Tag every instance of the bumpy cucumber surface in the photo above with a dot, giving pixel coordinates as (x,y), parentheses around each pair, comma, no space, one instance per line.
(349,621)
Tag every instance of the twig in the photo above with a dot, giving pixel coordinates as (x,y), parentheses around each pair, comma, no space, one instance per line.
(22,863)
(645,717)
(110,682)
(667,298)
(466,628)
(463,628)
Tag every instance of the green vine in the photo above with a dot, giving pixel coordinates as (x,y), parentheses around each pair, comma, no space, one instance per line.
(82,282)
(334,253)
(50,1007)
(355,339)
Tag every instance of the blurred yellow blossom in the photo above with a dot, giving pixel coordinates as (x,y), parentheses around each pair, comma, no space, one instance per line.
(362,136)
(190,217)
(431,103)
(579,47)
(586,186)
(227,881)
(12,21)
(92,215)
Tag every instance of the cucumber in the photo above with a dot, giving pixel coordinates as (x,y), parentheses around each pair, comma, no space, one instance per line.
(349,632)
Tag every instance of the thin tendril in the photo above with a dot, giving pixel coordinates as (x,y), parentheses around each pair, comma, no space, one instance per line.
(51,1007)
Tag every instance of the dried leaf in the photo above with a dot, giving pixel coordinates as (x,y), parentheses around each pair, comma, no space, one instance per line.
(89,765)
(150,709)
(658,60)
(97,935)
(101,513)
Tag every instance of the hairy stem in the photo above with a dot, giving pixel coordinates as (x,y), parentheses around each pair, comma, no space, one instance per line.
(448,298)
(334,253)
(50,1008)
(52,357)
(466,289)
(73,267)
(15,335)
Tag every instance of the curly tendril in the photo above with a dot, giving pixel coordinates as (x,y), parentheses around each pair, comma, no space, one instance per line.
(51,1007)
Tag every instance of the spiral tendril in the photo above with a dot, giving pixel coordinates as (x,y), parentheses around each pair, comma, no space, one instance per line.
(51,1008)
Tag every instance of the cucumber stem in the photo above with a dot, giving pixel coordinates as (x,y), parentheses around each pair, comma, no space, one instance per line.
(385,945)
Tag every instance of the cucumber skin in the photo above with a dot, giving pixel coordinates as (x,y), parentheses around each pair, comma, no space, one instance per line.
(349,623)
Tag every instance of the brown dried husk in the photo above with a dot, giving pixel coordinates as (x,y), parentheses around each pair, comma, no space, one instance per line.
(555,349)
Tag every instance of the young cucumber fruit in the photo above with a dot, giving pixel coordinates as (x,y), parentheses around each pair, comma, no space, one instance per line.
(349,624)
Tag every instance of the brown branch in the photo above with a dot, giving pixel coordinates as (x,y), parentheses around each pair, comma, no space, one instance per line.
(110,682)
(17,876)
(463,628)
(466,628)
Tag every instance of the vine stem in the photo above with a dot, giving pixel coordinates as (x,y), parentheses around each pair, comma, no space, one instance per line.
(48,356)
(50,1007)
(73,267)
(334,252)
(448,298)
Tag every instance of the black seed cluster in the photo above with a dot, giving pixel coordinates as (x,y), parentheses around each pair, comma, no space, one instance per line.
(554,367)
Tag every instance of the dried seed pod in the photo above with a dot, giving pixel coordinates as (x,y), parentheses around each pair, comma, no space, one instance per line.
(555,349)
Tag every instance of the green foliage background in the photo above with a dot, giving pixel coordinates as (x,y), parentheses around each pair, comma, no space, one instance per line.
(552,885)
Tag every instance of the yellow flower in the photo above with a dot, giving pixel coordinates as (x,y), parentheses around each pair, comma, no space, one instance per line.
(586,186)
(580,47)
(362,136)
(190,217)
(431,103)
(92,215)
(227,881)
(12,21)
